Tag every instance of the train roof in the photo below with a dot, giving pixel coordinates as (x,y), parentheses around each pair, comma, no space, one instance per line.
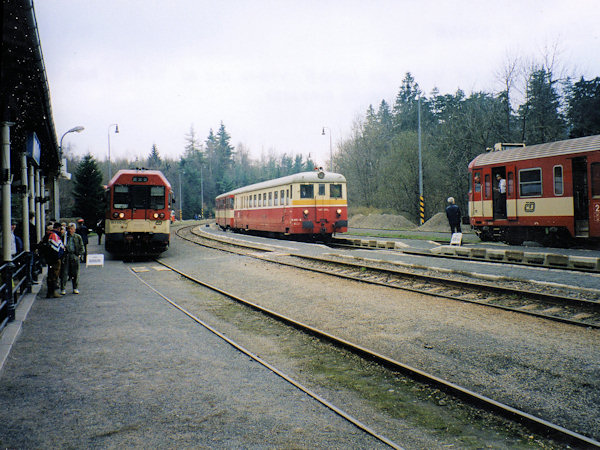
(566,147)
(122,172)
(302,177)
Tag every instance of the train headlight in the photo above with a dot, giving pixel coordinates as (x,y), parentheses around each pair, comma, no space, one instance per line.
(162,215)
(121,215)
(116,215)
(339,212)
(305,212)
(155,215)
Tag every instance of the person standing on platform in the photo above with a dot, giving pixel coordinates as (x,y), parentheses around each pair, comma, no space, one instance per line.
(100,230)
(70,269)
(82,231)
(454,216)
(52,249)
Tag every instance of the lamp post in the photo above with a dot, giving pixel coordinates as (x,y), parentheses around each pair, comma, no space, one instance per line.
(116,131)
(330,148)
(77,129)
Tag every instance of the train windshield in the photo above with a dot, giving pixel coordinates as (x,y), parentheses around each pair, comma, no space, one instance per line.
(139,197)
(335,191)
(307,191)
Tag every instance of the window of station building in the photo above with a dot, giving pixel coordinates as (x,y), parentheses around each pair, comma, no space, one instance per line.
(270,199)
(558,180)
(321,189)
(307,191)
(121,196)
(276,198)
(595,172)
(335,191)
(530,182)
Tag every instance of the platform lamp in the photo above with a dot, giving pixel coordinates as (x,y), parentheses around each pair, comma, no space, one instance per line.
(116,131)
(330,148)
(77,129)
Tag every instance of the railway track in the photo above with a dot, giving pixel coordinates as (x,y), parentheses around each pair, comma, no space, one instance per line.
(580,307)
(537,424)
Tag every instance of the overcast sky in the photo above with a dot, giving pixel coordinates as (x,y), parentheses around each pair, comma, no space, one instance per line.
(276,72)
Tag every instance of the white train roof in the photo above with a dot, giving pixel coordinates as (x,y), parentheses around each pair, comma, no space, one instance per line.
(566,147)
(302,177)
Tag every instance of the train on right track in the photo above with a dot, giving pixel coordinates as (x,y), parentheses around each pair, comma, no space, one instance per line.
(552,192)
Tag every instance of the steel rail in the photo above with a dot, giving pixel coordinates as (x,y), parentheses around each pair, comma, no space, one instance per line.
(497,289)
(555,299)
(533,422)
(357,423)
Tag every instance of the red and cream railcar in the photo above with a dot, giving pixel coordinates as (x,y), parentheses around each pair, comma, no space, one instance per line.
(138,210)
(552,192)
(307,203)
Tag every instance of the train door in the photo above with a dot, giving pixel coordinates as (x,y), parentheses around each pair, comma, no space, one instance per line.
(511,193)
(580,197)
(321,203)
(499,192)
(476,206)
(595,199)
(286,207)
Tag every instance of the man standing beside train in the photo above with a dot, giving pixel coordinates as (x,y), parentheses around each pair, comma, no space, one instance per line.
(454,215)
(501,195)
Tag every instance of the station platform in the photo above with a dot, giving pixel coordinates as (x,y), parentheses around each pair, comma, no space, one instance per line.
(117,366)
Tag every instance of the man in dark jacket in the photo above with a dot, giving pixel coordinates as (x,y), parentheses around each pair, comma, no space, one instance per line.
(82,231)
(454,216)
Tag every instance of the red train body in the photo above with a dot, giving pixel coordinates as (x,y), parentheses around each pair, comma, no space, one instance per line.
(138,210)
(308,203)
(552,192)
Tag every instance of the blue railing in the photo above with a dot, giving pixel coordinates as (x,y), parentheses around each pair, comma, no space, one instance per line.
(15,283)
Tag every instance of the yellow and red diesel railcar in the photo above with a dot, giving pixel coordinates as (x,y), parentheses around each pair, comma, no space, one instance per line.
(552,192)
(307,203)
(138,210)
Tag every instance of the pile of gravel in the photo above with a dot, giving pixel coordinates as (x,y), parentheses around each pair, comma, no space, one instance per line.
(438,222)
(381,222)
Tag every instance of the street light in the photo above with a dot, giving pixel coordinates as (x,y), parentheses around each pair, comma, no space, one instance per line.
(77,129)
(330,148)
(116,131)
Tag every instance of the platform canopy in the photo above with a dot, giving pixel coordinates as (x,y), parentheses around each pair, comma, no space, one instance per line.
(24,91)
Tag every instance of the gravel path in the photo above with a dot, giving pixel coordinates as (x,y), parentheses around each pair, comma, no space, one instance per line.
(548,369)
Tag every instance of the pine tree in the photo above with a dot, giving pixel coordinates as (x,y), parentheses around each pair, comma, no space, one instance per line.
(154,161)
(584,108)
(88,190)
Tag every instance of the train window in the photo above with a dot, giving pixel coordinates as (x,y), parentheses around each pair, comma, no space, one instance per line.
(510,184)
(335,191)
(270,199)
(530,182)
(276,198)
(477,181)
(307,191)
(595,172)
(157,197)
(488,186)
(282,196)
(321,189)
(121,196)
(254,201)
(558,180)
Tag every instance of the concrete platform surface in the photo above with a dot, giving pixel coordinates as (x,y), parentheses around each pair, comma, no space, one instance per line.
(117,366)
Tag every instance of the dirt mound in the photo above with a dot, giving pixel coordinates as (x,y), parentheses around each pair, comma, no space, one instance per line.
(438,222)
(380,222)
